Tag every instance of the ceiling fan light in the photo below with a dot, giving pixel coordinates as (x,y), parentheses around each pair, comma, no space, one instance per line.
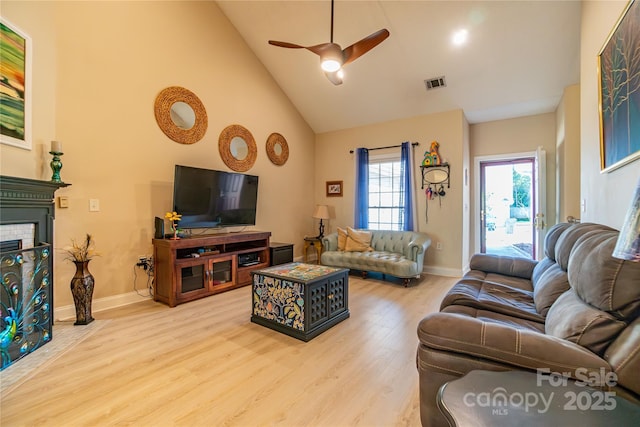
(331,59)
(330,64)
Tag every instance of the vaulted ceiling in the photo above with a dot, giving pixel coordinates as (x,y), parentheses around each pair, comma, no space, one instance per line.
(519,56)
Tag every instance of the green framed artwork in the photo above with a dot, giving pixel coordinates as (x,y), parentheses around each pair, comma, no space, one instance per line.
(619,94)
(15,86)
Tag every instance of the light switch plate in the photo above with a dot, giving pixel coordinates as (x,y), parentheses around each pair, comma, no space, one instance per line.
(63,201)
(94,205)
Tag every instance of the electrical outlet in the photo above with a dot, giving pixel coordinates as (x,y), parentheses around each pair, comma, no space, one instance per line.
(439,246)
(145,262)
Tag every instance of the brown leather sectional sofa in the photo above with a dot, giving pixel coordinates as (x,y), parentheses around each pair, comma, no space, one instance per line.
(577,311)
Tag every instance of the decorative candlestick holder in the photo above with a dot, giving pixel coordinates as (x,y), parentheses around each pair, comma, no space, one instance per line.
(56,165)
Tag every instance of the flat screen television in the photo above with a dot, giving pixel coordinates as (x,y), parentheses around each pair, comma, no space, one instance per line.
(211,199)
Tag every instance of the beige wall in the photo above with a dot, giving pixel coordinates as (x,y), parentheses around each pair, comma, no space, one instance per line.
(606,196)
(98,67)
(467,246)
(519,135)
(445,221)
(35,19)
(568,156)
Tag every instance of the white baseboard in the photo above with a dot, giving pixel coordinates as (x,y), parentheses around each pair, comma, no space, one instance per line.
(440,271)
(69,311)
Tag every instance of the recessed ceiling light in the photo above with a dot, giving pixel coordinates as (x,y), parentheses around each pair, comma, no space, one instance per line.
(460,37)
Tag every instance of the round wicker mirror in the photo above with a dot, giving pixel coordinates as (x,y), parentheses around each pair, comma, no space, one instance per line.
(237,148)
(181,115)
(277,149)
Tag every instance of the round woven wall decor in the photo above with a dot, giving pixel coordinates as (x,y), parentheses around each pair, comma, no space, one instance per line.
(224,146)
(169,96)
(274,140)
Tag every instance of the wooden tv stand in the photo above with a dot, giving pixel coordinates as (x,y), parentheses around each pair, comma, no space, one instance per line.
(221,262)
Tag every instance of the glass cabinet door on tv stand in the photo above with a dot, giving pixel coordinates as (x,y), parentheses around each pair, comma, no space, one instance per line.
(203,276)
(221,272)
(191,277)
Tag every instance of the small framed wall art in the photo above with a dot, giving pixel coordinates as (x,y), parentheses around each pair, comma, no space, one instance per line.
(15,73)
(334,188)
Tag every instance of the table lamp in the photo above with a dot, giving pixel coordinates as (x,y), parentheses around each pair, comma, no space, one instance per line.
(628,244)
(321,213)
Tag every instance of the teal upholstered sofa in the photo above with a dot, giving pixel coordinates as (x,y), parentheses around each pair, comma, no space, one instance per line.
(395,253)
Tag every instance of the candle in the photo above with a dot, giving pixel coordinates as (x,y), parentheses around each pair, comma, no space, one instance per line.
(56,147)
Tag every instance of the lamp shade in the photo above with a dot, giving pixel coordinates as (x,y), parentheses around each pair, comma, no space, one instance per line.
(628,244)
(321,212)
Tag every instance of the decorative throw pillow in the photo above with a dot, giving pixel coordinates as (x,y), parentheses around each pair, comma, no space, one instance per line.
(342,238)
(358,240)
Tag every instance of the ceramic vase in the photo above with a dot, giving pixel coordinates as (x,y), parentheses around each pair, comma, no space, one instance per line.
(82,291)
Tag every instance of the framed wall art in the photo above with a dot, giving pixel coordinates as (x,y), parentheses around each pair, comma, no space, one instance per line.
(15,76)
(619,92)
(334,188)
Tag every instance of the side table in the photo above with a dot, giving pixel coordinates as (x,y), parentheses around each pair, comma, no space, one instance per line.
(281,253)
(527,399)
(314,242)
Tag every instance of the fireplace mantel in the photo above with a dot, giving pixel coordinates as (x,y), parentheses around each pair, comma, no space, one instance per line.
(24,200)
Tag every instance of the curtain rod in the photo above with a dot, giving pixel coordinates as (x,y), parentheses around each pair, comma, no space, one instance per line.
(389,146)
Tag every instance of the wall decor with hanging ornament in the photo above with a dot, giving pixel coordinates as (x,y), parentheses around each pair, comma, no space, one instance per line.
(435,175)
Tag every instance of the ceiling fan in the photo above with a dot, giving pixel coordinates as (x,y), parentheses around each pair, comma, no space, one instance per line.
(333,57)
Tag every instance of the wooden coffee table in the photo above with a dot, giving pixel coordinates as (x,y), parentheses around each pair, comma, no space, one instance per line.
(300,300)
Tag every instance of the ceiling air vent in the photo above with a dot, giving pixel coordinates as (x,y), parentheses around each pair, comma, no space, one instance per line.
(435,83)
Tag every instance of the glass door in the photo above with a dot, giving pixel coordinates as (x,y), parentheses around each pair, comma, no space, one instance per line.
(507,207)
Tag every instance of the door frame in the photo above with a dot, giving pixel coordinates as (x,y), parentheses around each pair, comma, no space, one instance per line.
(541,184)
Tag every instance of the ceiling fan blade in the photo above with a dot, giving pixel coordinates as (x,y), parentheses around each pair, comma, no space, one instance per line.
(334,77)
(361,47)
(317,49)
(286,44)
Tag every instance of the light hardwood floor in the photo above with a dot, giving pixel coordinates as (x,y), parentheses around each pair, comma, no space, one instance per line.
(205,364)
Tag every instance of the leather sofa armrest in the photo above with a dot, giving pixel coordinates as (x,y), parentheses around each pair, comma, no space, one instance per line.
(505,344)
(505,265)
(418,246)
(330,242)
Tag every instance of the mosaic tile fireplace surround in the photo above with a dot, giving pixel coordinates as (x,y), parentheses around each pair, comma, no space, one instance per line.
(26,265)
